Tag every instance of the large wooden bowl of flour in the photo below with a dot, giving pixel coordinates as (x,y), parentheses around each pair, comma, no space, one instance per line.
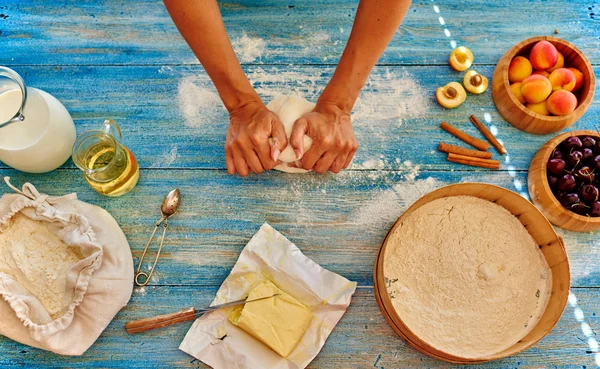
(472,273)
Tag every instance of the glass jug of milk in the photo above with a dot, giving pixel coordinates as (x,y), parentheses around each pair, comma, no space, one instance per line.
(36,131)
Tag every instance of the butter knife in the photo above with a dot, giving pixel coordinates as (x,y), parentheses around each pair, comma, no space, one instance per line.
(146,324)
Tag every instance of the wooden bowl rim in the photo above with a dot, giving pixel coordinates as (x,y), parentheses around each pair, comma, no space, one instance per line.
(515,50)
(547,149)
(383,300)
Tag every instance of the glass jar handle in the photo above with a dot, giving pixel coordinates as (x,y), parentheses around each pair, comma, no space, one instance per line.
(111,127)
(11,74)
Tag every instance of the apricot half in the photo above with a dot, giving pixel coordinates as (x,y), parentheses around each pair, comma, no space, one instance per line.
(461,59)
(451,95)
(475,83)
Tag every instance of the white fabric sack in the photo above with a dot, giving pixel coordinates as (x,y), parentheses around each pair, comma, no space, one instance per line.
(65,270)
(269,255)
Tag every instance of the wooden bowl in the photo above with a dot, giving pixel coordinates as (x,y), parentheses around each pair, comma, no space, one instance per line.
(542,196)
(523,118)
(541,230)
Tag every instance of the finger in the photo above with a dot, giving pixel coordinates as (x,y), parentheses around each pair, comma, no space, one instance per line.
(240,163)
(325,162)
(297,137)
(229,161)
(349,158)
(253,161)
(311,157)
(338,163)
(263,150)
(279,141)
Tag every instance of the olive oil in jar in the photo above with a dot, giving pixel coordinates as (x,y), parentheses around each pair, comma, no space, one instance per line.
(109,167)
(117,178)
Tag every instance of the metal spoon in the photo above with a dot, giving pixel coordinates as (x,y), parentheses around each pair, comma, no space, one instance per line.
(169,207)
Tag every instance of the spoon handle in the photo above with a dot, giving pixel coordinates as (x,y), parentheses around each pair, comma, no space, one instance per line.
(138,272)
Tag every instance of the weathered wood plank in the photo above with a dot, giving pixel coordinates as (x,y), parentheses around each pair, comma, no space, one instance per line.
(288,32)
(172,116)
(339,221)
(363,339)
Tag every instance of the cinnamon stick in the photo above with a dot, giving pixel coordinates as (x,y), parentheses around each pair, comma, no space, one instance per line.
(447,148)
(475,142)
(487,134)
(474,162)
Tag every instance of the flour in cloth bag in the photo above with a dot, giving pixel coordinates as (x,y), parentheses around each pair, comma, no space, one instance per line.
(38,260)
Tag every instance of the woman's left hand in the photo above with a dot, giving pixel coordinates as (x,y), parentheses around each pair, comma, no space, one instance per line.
(334,143)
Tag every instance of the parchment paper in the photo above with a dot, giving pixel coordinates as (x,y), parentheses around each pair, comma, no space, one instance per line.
(269,255)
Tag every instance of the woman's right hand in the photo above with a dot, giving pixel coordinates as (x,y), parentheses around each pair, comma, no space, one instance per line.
(247,147)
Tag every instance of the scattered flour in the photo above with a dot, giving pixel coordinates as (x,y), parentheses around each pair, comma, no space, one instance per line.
(199,102)
(389,204)
(390,96)
(167,159)
(581,267)
(248,49)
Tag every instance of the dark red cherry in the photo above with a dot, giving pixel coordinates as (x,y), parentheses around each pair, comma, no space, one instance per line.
(588,193)
(588,154)
(566,183)
(585,175)
(573,143)
(588,142)
(557,154)
(595,209)
(552,181)
(574,158)
(556,166)
(569,200)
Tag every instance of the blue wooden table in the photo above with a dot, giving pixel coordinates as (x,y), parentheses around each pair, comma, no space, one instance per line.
(125,60)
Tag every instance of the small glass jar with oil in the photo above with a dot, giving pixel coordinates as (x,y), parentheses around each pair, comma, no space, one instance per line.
(109,167)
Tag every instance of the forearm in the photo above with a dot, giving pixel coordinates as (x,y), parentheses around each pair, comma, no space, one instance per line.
(201,25)
(374,27)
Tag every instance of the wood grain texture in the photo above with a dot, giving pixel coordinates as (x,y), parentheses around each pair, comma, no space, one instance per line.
(125,60)
(294,32)
(363,339)
(337,220)
(396,116)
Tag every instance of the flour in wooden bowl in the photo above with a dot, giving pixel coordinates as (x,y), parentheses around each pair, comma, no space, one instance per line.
(465,276)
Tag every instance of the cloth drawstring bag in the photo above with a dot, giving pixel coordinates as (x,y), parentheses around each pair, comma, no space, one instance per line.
(65,270)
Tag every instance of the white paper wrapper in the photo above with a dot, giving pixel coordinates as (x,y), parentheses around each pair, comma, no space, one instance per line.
(269,255)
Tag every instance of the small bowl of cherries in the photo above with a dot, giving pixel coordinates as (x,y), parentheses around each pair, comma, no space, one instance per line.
(564,180)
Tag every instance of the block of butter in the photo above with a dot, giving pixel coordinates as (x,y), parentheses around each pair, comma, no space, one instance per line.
(279,322)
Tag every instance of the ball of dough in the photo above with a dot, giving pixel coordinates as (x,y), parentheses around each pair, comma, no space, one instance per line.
(289,109)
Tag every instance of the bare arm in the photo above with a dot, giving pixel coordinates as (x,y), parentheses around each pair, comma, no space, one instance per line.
(251,123)
(329,124)
(201,25)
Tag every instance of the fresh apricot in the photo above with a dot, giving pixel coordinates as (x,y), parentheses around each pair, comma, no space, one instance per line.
(562,79)
(541,73)
(516,90)
(543,55)
(539,108)
(461,59)
(474,82)
(578,78)
(536,88)
(560,63)
(561,102)
(451,95)
(519,69)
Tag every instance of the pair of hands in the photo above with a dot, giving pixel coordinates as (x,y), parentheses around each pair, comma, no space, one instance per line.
(247,147)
